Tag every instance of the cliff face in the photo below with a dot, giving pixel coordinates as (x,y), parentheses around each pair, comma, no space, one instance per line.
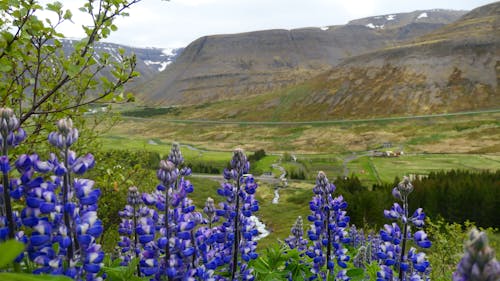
(228,66)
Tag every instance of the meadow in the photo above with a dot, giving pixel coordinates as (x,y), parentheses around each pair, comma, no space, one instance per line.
(343,149)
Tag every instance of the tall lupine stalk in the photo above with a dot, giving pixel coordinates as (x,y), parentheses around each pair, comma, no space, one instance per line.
(329,220)
(128,227)
(210,242)
(11,135)
(167,174)
(239,229)
(175,223)
(392,251)
(81,227)
(479,262)
(65,136)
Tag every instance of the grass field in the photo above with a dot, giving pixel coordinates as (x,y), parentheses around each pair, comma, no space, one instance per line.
(383,169)
(476,133)
(468,142)
(369,169)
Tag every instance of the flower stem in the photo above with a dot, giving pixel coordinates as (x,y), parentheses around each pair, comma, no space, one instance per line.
(66,186)
(6,195)
(405,233)
(135,242)
(236,230)
(329,246)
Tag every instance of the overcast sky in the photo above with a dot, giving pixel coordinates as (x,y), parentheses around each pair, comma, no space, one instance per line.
(176,23)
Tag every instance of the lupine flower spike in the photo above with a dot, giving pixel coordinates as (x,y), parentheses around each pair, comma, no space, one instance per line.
(479,262)
(296,239)
(328,230)
(238,229)
(10,135)
(392,249)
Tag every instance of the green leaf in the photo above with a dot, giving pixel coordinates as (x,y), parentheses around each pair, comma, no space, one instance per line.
(68,15)
(55,7)
(5,67)
(355,272)
(5,276)
(10,250)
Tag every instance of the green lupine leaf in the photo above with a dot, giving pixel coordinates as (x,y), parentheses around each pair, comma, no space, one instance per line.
(10,250)
(6,276)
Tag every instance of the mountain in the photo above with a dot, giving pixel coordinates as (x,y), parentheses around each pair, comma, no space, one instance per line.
(435,16)
(453,68)
(150,61)
(229,66)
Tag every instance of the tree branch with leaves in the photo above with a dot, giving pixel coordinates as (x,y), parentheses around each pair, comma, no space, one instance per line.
(43,76)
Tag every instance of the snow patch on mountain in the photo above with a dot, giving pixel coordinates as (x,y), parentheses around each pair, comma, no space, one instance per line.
(162,65)
(422,15)
(169,52)
(374,26)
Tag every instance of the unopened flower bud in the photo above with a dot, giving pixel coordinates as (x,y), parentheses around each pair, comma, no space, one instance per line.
(240,162)
(209,208)
(478,262)
(175,155)
(405,187)
(322,185)
(167,172)
(8,121)
(65,136)
(133,197)
(64,126)
(298,228)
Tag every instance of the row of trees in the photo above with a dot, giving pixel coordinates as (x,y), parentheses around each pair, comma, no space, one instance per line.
(456,196)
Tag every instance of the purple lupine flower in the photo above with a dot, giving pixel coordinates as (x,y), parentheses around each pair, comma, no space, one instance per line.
(478,262)
(392,252)
(10,135)
(296,239)
(328,230)
(357,237)
(234,238)
(4,164)
(166,225)
(385,273)
(16,137)
(419,261)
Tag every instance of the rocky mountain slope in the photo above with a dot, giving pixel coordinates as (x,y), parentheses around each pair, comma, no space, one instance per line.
(454,68)
(223,67)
